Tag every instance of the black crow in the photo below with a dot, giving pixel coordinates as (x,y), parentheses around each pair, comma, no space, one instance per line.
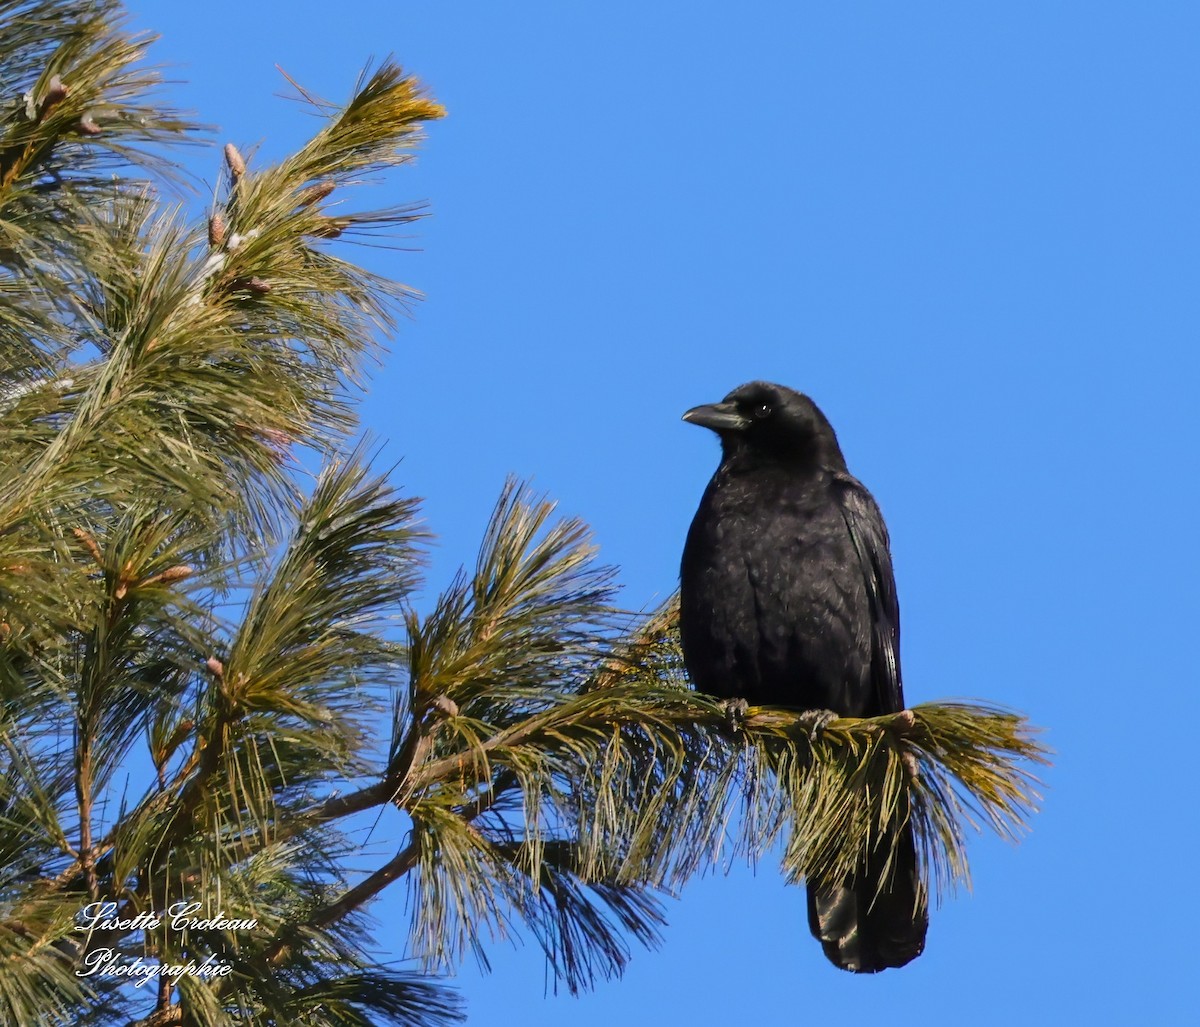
(787,598)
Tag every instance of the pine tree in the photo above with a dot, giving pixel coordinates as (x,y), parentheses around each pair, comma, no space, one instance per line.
(183,604)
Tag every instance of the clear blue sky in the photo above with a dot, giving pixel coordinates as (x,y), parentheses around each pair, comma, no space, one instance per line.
(970,232)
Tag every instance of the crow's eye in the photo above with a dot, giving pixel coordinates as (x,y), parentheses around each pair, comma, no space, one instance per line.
(762,410)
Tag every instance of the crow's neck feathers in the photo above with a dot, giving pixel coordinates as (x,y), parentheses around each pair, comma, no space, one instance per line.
(802,455)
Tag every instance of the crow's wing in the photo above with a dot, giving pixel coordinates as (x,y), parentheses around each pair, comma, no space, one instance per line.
(870,537)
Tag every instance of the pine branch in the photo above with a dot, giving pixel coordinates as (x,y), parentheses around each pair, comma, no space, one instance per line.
(348,902)
(643,778)
(219,363)
(83,118)
(139,484)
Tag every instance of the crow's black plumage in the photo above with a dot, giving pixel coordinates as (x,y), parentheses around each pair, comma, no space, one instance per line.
(787,598)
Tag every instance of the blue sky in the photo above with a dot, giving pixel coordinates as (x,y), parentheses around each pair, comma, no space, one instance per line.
(970,233)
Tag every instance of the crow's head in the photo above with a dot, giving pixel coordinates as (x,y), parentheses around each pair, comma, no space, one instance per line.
(772,421)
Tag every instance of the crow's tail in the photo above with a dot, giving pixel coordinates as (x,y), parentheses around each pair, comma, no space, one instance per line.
(872,922)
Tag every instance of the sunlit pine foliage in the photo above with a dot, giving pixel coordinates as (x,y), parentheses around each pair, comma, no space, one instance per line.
(215,665)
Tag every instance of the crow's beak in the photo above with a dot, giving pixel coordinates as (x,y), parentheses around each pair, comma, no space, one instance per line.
(720,417)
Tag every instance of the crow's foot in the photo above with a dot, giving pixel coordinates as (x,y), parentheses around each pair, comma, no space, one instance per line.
(815,721)
(735,713)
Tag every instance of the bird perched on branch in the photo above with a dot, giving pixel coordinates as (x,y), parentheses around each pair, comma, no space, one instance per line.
(787,598)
